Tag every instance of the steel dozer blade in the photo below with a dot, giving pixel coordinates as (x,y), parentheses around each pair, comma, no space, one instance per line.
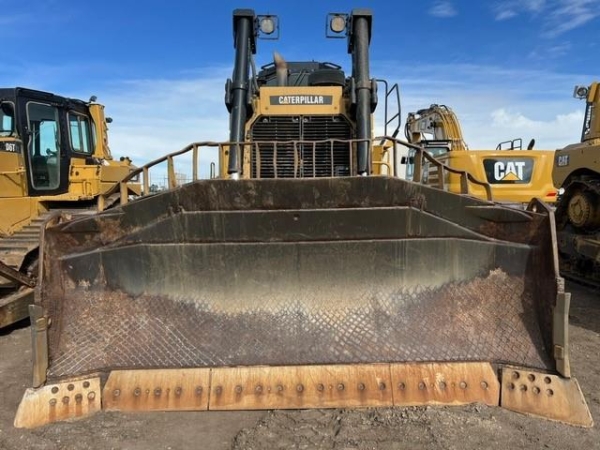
(288,293)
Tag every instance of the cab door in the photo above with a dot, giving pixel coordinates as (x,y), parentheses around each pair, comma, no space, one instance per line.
(45,143)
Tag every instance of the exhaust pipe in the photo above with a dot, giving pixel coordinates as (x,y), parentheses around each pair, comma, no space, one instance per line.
(281,69)
(358,46)
(244,42)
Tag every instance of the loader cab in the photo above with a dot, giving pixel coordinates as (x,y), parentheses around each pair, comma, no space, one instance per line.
(45,132)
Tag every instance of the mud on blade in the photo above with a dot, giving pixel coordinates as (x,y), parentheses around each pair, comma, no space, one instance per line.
(299,272)
(311,293)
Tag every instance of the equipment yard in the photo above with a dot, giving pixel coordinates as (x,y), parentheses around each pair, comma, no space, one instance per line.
(468,427)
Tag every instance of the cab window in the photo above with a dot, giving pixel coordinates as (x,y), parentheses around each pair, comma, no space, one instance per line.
(7,119)
(80,133)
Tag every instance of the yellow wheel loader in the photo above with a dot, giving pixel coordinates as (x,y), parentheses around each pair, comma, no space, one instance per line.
(54,157)
(577,173)
(516,175)
(302,275)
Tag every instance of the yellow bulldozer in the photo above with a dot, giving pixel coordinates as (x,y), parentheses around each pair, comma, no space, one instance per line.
(577,173)
(302,275)
(54,157)
(516,175)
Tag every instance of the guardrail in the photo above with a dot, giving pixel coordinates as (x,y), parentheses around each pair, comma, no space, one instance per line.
(441,169)
(296,153)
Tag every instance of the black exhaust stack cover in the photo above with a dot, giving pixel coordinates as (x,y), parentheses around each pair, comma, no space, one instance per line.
(244,40)
(359,38)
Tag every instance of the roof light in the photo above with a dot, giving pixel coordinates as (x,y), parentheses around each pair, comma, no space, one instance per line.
(337,23)
(267,24)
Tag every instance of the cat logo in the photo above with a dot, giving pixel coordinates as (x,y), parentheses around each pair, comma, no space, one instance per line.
(509,170)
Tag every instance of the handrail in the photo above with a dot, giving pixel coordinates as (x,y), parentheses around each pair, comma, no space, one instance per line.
(421,155)
(465,177)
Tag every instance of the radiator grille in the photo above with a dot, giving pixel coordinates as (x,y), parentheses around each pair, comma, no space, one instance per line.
(322,159)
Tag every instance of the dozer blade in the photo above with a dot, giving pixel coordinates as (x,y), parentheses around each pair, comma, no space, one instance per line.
(336,292)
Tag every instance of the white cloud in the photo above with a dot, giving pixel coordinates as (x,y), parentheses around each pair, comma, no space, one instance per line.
(570,14)
(555,16)
(443,9)
(476,93)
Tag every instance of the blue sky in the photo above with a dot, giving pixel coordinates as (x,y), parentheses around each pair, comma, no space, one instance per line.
(506,67)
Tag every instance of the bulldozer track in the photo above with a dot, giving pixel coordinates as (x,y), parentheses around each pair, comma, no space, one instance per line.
(570,264)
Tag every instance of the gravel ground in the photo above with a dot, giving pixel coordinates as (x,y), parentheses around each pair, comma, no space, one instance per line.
(471,427)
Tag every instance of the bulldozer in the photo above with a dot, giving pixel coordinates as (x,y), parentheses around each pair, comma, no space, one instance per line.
(577,174)
(516,175)
(303,273)
(54,157)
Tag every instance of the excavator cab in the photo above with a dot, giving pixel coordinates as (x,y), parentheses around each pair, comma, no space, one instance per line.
(301,277)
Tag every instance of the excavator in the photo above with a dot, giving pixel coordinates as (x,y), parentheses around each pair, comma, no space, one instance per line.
(304,273)
(54,157)
(514,174)
(577,173)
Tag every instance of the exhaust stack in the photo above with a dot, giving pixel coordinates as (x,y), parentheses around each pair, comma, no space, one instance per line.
(281,69)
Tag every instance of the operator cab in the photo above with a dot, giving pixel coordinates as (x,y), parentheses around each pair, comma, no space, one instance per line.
(39,134)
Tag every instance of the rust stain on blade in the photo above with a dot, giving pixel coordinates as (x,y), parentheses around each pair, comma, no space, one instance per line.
(157,390)
(445,384)
(295,387)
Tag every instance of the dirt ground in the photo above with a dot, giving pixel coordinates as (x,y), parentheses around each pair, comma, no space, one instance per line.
(471,427)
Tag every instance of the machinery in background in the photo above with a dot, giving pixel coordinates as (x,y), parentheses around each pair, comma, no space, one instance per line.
(514,174)
(54,157)
(306,274)
(577,173)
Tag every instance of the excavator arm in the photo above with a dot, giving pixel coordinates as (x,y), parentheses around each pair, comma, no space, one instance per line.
(437,121)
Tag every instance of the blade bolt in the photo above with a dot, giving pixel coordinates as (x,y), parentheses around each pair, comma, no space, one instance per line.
(536,390)
(178,391)
(516,375)
(218,390)
(137,392)
(547,380)
(523,388)
(463,384)
(157,392)
(91,395)
(238,389)
(86,384)
(52,402)
(70,387)
(116,393)
(65,400)
(484,385)
(300,388)
(340,386)
(54,390)
(511,386)
(361,386)
(382,386)
(320,387)
(78,398)
(421,386)
(443,385)
(401,386)
(199,390)
(531,377)
(258,389)
(550,392)
(279,388)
